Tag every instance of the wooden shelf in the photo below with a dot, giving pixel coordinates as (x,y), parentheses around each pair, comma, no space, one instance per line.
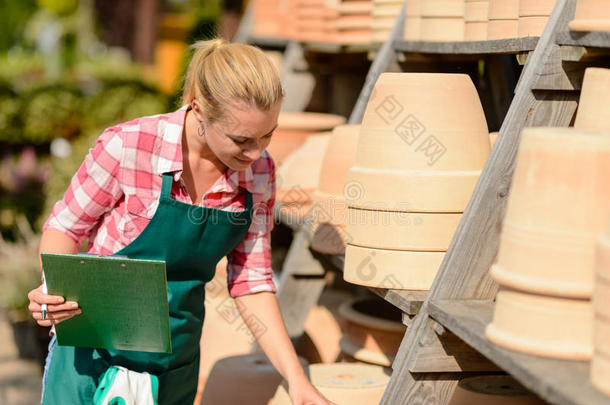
(328,47)
(500,46)
(560,382)
(593,39)
(268,42)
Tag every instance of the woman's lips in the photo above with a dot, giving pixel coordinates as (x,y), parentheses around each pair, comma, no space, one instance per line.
(245,161)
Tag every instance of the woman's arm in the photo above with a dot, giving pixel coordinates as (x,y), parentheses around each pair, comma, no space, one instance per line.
(53,241)
(261,313)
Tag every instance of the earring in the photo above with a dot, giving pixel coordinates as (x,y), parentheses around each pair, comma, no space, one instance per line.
(200,129)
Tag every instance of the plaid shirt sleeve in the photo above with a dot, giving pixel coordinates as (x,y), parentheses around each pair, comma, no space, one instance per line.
(93,191)
(249,264)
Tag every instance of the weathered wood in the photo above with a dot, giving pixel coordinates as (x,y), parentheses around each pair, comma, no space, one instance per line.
(500,46)
(329,47)
(463,272)
(296,296)
(408,301)
(592,39)
(560,382)
(300,259)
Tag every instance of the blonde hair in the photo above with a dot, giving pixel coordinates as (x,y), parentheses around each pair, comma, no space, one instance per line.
(221,73)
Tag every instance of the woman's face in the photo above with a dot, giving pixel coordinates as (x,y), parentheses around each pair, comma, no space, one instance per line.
(239,138)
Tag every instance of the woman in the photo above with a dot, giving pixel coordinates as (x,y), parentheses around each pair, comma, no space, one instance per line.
(187,187)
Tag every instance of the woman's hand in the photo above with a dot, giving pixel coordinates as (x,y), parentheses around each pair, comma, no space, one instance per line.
(57,309)
(302,392)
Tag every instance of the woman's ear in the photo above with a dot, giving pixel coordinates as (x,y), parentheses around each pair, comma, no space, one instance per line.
(197,111)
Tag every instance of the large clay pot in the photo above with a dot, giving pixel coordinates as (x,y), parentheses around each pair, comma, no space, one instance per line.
(297,177)
(257,379)
(330,209)
(401,230)
(355,7)
(373,330)
(493,390)
(502,29)
(416,151)
(476,20)
(534,8)
(594,98)
(503,9)
(591,15)
(343,383)
(555,212)
(442,8)
(294,128)
(395,269)
(442,29)
(532,26)
(600,365)
(543,325)
(412,20)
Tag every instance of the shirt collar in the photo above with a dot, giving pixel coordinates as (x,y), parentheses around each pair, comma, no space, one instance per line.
(168,150)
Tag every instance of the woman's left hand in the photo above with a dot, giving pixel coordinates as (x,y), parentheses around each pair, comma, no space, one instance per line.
(303,393)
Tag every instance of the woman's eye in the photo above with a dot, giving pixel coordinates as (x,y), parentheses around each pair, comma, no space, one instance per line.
(239,142)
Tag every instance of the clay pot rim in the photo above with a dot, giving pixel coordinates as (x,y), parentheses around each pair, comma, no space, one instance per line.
(589,25)
(345,367)
(309,120)
(567,133)
(350,314)
(365,355)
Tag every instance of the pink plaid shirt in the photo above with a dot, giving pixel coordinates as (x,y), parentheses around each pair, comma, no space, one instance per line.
(115,192)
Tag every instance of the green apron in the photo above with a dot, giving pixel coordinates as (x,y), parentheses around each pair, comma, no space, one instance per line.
(191,240)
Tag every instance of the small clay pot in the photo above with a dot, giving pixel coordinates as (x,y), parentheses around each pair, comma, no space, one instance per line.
(502,29)
(258,381)
(493,390)
(475,31)
(591,15)
(373,330)
(442,29)
(413,8)
(532,26)
(476,11)
(343,383)
(555,212)
(443,8)
(392,269)
(294,128)
(543,325)
(356,7)
(536,8)
(594,96)
(354,22)
(503,9)
(600,365)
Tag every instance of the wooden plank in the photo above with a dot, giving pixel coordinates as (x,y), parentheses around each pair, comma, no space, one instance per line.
(296,296)
(500,46)
(330,47)
(408,301)
(268,42)
(560,382)
(463,272)
(300,259)
(592,39)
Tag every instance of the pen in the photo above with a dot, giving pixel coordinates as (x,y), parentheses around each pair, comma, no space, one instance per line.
(43,307)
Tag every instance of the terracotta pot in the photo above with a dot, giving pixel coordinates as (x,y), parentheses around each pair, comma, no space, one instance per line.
(476,11)
(591,15)
(503,9)
(475,31)
(542,325)
(343,383)
(442,8)
(416,152)
(412,28)
(442,29)
(600,365)
(413,8)
(294,128)
(555,212)
(373,330)
(380,35)
(401,230)
(502,29)
(387,11)
(594,98)
(355,37)
(396,269)
(297,177)
(356,7)
(354,22)
(257,379)
(531,26)
(330,209)
(493,136)
(535,8)
(383,24)
(493,390)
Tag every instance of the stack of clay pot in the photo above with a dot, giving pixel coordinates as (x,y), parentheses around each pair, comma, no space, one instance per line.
(315,20)
(355,22)
(253,373)
(533,15)
(294,127)
(559,203)
(594,99)
(373,331)
(417,163)
(503,19)
(600,365)
(412,20)
(343,383)
(442,20)
(475,15)
(297,177)
(591,15)
(493,389)
(329,212)
(267,18)
(385,13)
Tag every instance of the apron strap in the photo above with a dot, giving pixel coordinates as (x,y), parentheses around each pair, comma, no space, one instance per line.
(166,187)
(248,200)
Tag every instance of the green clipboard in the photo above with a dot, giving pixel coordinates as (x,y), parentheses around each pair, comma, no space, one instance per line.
(123,301)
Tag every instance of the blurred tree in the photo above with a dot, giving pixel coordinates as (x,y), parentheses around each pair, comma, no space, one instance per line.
(13,16)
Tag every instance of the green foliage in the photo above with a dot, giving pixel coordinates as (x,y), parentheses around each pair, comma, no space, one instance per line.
(13,17)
